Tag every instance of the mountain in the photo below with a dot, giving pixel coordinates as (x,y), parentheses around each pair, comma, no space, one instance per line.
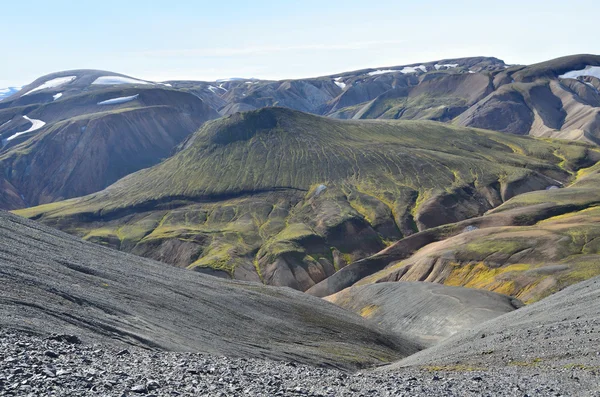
(73,133)
(54,283)
(147,120)
(341,95)
(7,92)
(558,98)
(287,198)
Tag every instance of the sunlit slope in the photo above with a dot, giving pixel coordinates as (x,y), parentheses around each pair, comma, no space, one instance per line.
(531,246)
(289,198)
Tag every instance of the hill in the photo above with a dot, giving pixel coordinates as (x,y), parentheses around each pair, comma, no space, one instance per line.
(426,312)
(559,332)
(54,283)
(288,198)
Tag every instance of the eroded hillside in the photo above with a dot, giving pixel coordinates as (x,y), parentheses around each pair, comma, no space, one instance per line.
(286,198)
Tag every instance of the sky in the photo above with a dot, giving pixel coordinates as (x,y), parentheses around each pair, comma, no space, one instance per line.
(208,40)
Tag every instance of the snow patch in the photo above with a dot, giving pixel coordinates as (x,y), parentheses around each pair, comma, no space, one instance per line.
(117,101)
(213,89)
(470,229)
(405,70)
(114,80)
(439,66)
(57,82)
(5,123)
(35,125)
(230,79)
(552,187)
(340,84)
(223,88)
(593,71)
(57,96)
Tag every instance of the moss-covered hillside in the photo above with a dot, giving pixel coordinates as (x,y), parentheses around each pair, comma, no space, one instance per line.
(288,198)
(529,247)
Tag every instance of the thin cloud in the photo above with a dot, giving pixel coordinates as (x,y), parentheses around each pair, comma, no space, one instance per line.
(259,50)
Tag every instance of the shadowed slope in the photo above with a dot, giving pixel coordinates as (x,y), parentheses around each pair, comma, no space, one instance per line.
(78,137)
(52,282)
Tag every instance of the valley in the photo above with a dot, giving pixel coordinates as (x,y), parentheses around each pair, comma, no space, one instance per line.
(422,229)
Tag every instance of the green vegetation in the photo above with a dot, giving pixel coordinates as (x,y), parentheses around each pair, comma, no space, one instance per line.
(257,186)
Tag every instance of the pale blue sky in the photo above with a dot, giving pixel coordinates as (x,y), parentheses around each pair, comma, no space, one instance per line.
(207,40)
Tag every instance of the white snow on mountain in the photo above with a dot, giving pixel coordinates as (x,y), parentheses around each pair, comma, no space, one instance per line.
(57,96)
(35,125)
(115,80)
(6,92)
(593,71)
(405,70)
(57,82)
(340,84)
(117,101)
(438,66)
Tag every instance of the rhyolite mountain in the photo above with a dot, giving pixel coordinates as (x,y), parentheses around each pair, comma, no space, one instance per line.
(73,133)
(69,299)
(287,198)
(558,98)
(529,247)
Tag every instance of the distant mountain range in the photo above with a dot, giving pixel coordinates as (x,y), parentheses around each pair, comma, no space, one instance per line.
(6,92)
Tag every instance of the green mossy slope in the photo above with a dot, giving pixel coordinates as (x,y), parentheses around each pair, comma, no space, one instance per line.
(288,198)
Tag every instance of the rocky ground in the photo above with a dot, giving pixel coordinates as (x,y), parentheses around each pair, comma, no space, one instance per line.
(62,366)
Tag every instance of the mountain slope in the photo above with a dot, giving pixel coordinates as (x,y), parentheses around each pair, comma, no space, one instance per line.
(558,98)
(560,332)
(65,136)
(341,95)
(52,282)
(288,198)
(427,312)
(529,247)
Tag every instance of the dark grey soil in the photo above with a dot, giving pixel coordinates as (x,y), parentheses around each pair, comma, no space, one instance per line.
(53,282)
(35,366)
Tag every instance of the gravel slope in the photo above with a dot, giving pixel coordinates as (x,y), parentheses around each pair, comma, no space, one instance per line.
(53,282)
(424,311)
(561,331)
(32,366)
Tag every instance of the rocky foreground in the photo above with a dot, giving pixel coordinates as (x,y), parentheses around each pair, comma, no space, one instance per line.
(31,365)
